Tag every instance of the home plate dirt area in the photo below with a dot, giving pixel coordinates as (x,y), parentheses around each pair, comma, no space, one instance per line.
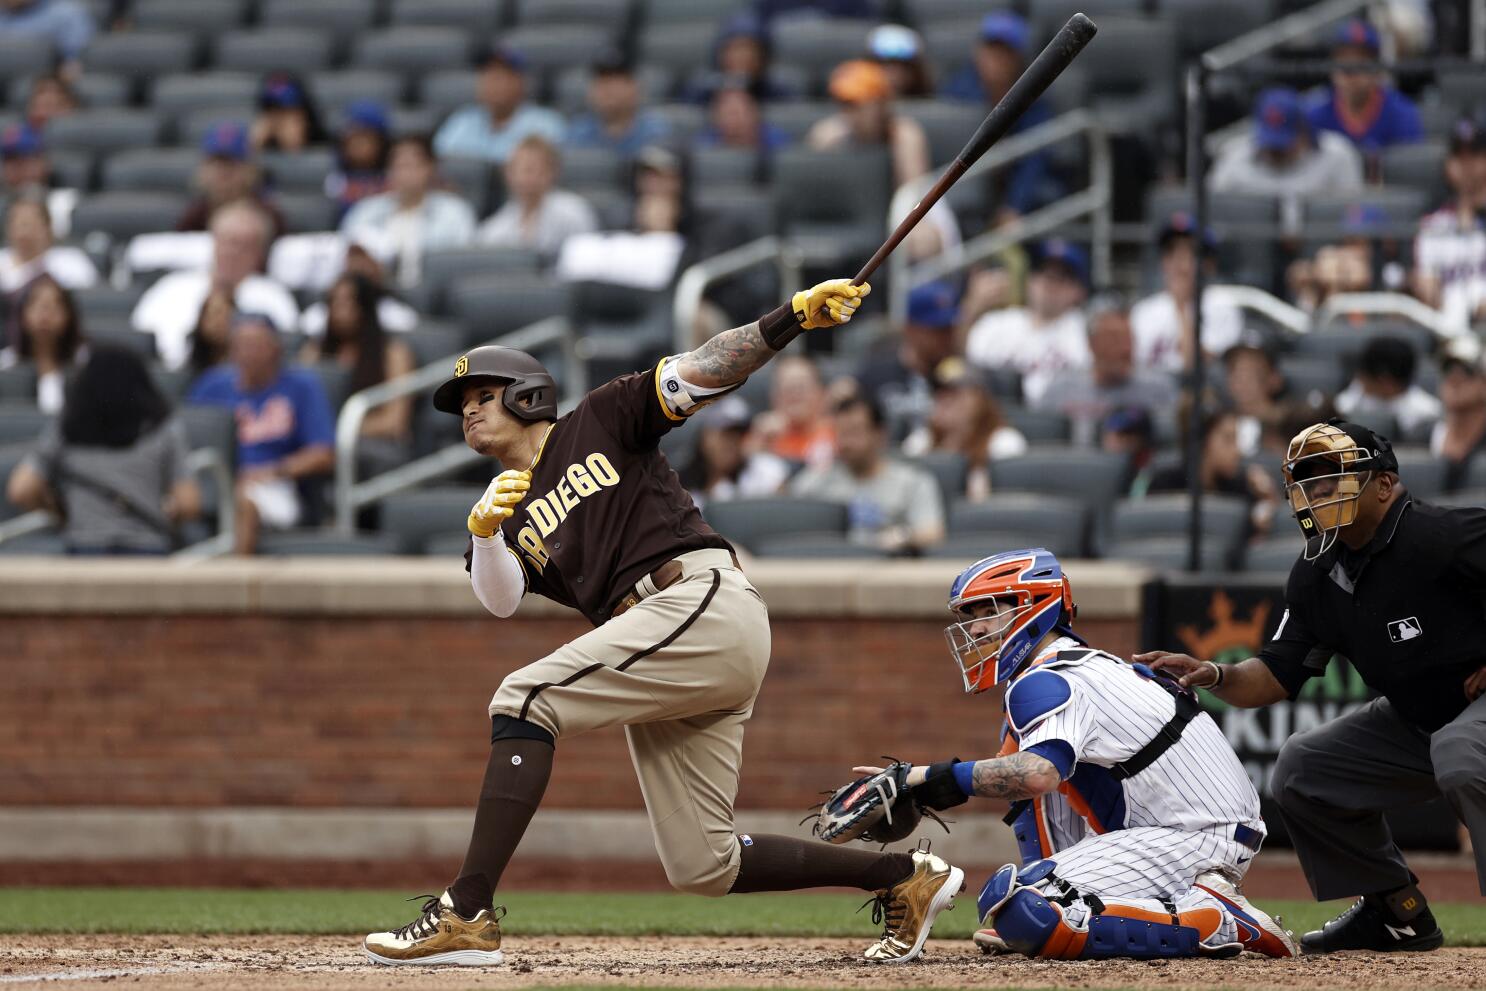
(687,962)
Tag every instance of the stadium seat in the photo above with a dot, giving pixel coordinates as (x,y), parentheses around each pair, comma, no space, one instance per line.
(748,521)
(1028,520)
(685,120)
(45,543)
(1305,374)
(123,336)
(334,378)
(1167,553)
(332,91)
(94,90)
(213,427)
(1275,554)
(161,170)
(141,54)
(199,17)
(1205,24)
(189,91)
(447,89)
(1419,165)
(949,469)
(621,327)
(797,117)
(924,14)
(491,305)
(1097,478)
(411,519)
(480,18)
(306,213)
(104,131)
(441,268)
(106,303)
(24,55)
(124,214)
(820,43)
(449,543)
(433,342)
(412,120)
(1422,472)
(709,13)
(1343,343)
(1132,72)
(470,178)
(1039,426)
(1225,521)
(298,172)
(172,383)
(814,546)
(412,49)
(1400,206)
(682,48)
(972,545)
(341,18)
(837,197)
(593,168)
(1051,14)
(731,166)
(21,423)
(1460,88)
(17,385)
(549,47)
(946,123)
(610,15)
(324,543)
(300,50)
(192,127)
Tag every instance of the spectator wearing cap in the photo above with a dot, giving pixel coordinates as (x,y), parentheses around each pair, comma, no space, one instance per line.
(734,120)
(999,58)
(1255,387)
(491,127)
(898,374)
(1112,380)
(51,96)
(615,119)
(241,232)
(1450,249)
(227,173)
(30,250)
(1282,157)
(66,25)
(1384,386)
(726,462)
(1353,264)
(900,52)
(25,166)
(1460,434)
(966,420)
(287,120)
(865,118)
(412,217)
(1360,105)
(285,427)
(361,148)
(536,214)
(1047,336)
(1163,321)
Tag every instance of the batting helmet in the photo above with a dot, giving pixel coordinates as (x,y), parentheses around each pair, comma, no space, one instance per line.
(1031,597)
(525,378)
(1324,471)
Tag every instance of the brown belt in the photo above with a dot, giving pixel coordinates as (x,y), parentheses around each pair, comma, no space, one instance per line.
(663,577)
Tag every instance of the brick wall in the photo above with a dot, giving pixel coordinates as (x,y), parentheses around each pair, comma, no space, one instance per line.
(355,711)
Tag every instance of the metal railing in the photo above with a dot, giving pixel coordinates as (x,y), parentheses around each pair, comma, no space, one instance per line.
(206,461)
(35,521)
(693,284)
(1288,316)
(351,495)
(1393,304)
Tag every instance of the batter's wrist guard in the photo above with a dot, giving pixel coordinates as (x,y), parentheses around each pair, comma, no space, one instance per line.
(940,790)
(780,326)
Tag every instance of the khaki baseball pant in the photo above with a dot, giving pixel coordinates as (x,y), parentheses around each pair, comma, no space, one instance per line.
(680,671)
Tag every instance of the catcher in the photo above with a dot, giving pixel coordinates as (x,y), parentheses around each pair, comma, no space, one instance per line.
(1134,818)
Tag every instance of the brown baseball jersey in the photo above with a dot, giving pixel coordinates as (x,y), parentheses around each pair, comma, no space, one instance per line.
(605,508)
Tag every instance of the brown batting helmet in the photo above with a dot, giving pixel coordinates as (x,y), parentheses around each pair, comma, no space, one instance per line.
(524,376)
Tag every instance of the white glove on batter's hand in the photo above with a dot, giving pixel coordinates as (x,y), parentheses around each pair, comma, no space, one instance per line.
(500,500)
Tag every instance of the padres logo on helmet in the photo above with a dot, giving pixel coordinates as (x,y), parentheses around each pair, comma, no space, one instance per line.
(462,365)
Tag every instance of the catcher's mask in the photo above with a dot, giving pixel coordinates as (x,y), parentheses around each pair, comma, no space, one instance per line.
(1327,465)
(1021,596)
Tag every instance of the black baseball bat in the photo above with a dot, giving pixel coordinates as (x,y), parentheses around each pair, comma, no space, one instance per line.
(1033,82)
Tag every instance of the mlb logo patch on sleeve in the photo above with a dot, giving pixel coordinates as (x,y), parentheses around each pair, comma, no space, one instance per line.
(1404,629)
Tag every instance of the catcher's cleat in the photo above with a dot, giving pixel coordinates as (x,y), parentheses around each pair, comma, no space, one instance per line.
(907,910)
(1258,932)
(441,936)
(990,943)
(1368,925)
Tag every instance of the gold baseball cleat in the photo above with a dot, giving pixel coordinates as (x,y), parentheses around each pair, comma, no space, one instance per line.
(441,936)
(907,910)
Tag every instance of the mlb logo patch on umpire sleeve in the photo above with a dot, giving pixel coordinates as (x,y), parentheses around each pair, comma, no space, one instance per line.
(1405,629)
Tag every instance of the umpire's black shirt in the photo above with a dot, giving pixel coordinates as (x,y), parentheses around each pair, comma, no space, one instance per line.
(1406,609)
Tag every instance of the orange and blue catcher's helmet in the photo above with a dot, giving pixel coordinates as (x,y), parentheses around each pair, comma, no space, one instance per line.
(1024,595)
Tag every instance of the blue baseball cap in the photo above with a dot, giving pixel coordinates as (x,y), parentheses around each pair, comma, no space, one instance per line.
(20,141)
(934,304)
(1183,224)
(1070,256)
(366,115)
(280,91)
(1003,28)
(502,55)
(1278,119)
(1357,33)
(226,139)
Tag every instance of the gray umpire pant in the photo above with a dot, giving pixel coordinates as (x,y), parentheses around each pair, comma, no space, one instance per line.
(1332,783)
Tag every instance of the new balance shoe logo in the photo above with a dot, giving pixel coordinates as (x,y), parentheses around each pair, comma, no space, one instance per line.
(1400,932)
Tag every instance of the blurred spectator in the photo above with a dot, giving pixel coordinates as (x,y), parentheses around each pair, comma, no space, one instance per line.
(392,313)
(24,165)
(65,24)
(536,213)
(1384,384)
(1000,57)
(1282,157)
(1223,471)
(285,428)
(1129,431)
(360,155)
(897,375)
(740,55)
(48,336)
(227,174)
(893,506)
(212,334)
(491,127)
(1163,321)
(1450,251)
(900,52)
(615,120)
(865,118)
(1353,264)
(1048,335)
(1360,105)
(1111,380)
(770,9)
(287,119)
(354,340)
(796,425)
(114,465)
(967,420)
(30,251)
(734,121)
(1254,385)
(50,97)
(1460,435)
(724,465)
(412,217)
(169,308)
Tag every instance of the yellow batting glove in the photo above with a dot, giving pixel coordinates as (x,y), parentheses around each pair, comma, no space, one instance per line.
(828,304)
(501,497)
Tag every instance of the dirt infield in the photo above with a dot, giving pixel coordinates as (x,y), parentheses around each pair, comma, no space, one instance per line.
(320,962)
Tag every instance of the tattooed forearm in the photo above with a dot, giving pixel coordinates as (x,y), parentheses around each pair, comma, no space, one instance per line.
(726,359)
(1014,777)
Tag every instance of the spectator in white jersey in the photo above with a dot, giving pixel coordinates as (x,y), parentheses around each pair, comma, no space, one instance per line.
(1450,251)
(1384,384)
(1162,321)
(536,213)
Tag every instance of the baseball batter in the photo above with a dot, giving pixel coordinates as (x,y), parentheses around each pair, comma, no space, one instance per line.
(1134,817)
(594,518)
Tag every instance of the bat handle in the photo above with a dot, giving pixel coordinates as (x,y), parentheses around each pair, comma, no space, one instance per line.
(936,192)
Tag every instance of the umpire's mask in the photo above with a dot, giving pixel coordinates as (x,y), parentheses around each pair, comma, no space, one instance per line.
(1326,468)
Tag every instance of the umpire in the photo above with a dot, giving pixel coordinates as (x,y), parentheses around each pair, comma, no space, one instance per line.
(1395,585)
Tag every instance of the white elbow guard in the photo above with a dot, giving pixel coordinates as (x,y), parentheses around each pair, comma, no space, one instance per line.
(679,396)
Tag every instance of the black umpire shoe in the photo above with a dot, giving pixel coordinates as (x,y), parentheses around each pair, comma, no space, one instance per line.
(1370,925)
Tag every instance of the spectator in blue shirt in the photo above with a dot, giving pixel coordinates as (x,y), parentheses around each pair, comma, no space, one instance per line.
(615,119)
(66,24)
(285,427)
(491,127)
(1000,57)
(1360,105)
(735,121)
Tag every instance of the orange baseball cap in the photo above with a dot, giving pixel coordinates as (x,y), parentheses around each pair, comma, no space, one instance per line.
(859,81)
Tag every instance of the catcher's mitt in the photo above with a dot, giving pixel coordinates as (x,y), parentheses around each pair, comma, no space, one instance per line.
(878,808)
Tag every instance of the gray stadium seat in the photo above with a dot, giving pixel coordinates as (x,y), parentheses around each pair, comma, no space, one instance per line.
(733,166)
(434,342)
(73,168)
(411,519)
(161,170)
(1275,554)
(213,427)
(298,172)
(611,15)
(95,89)
(1345,343)
(192,127)
(447,89)
(1095,477)
(324,543)
(123,336)
(24,55)
(1204,24)
(306,213)
(1132,72)
(708,13)
(797,117)
(125,214)
(342,18)
(593,168)
(1166,553)
(925,13)
(946,123)
(478,17)
(1422,472)
(1052,13)
(1225,521)
(1039,426)
(141,54)
(1460,88)
(450,544)
(412,120)
(1305,374)
(441,268)
(298,50)
(334,378)
(172,383)
(820,43)
(839,197)
(1402,207)
(21,423)
(950,42)
(470,178)
(105,303)
(492,305)
(45,543)
(621,325)
(814,546)
(1021,511)
(681,47)
(949,469)
(106,130)
(17,384)
(747,521)
(685,120)
(200,17)
(1420,165)
(332,91)
(554,46)
(972,545)
(185,92)
(412,49)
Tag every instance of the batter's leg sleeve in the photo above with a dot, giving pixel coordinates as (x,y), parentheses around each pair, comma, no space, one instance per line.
(1458,752)
(1332,784)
